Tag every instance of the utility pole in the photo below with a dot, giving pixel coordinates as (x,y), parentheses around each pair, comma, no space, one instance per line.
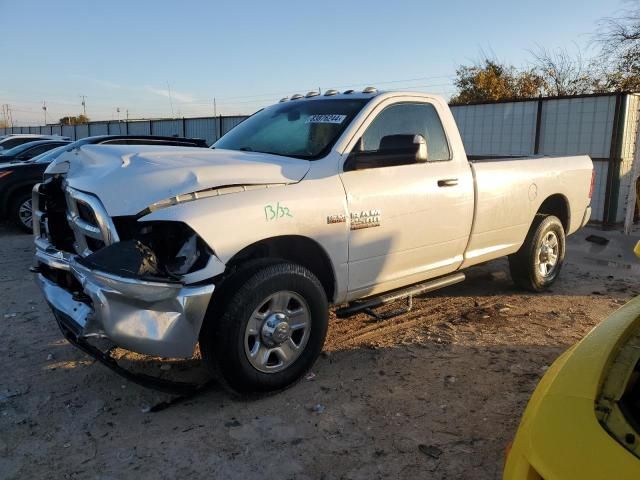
(6,113)
(44,109)
(170,99)
(84,105)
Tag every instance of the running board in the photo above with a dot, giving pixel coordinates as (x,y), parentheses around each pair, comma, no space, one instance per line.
(368,304)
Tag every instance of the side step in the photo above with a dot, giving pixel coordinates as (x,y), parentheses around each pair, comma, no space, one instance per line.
(368,304)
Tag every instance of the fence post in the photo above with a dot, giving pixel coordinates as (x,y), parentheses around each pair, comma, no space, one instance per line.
(613,166)
(536,146)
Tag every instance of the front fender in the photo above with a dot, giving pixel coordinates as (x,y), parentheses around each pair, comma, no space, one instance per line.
(229,223)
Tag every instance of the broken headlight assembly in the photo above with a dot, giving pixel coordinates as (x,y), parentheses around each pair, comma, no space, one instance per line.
(151,250)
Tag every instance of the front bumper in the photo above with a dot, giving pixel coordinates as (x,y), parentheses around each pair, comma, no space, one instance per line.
(154,318)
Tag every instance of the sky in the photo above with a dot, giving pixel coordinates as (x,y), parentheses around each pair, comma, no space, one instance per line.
(172,58)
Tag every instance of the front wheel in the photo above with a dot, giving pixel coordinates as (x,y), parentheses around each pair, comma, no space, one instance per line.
(269,330)
(21,212)
(538,262)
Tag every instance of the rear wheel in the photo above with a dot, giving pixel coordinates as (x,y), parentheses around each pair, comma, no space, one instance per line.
(538,262)
(20,211)
(269,329)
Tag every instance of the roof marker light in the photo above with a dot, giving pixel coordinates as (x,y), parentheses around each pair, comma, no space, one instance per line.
(284,99)
(370,90)
(331,92)
(312,94)
(296,96)
(347,92)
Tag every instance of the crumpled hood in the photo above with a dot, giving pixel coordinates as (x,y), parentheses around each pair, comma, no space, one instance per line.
(129,178)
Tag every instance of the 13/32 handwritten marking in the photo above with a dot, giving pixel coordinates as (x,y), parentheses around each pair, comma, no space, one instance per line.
(274,212)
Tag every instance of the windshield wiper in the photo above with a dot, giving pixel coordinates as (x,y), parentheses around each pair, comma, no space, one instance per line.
(280,154)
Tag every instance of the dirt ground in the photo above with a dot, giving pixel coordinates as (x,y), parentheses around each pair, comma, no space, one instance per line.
(436,393)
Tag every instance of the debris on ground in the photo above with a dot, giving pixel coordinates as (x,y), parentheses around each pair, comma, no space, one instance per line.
(318,408)
(430,450)
(597,239)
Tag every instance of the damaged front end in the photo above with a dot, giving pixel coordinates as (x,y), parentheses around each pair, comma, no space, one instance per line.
(144,286)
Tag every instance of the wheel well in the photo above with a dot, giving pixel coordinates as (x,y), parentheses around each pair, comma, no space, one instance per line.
(558,206)
(19,190)
(294,248)
(12,194)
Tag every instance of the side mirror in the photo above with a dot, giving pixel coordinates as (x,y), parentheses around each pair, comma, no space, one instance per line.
(394,150)
(422,153)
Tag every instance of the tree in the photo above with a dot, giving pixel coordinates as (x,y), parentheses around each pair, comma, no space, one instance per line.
(619,40)
(68,120)
(563,73)
(490,80)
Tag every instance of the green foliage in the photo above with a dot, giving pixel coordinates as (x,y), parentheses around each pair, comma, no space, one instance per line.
(80,119)
(490,81)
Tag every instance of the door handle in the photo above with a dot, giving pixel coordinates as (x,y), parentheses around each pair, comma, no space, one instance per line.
(448,182)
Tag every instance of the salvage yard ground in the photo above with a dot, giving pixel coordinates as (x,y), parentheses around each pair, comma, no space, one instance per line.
(435,393)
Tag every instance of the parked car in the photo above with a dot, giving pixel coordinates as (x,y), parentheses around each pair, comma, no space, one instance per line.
(317,200)
(15,139)
(27,151)
(17,179)
(583,419)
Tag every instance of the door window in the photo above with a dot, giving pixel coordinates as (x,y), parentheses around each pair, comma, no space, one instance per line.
(409,119)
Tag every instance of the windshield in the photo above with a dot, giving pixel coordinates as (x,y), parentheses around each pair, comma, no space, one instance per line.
(303,129)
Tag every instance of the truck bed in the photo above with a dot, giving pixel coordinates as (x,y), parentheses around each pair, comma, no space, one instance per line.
(507,187)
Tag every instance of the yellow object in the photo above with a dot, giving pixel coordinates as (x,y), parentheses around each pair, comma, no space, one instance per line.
(560,436)
(636,250)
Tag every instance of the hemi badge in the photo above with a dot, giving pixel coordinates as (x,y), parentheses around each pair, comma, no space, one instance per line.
(339,218)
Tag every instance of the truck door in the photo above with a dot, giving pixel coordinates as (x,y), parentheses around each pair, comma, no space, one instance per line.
(409,220)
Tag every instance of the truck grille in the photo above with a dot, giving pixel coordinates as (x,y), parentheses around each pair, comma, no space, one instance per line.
(92,227)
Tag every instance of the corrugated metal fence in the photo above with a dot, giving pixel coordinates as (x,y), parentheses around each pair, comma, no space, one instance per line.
(602,126)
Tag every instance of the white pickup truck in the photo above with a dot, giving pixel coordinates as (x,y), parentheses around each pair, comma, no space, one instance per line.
(349,199)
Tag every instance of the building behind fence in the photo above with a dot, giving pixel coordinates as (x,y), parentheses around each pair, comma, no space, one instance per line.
(603,126)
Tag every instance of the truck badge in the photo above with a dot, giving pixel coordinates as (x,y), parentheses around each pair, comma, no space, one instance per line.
(338,218)
(365,219)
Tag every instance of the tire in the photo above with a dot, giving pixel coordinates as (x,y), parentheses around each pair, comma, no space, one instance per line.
(538,262)
(20,211)
(252,338)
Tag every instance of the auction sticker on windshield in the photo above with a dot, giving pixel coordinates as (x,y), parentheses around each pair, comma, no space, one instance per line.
(326,118)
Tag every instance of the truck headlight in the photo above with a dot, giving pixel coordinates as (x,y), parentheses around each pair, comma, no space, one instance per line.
(151,250)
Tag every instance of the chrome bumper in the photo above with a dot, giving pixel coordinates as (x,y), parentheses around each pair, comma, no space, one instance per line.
(154,318)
